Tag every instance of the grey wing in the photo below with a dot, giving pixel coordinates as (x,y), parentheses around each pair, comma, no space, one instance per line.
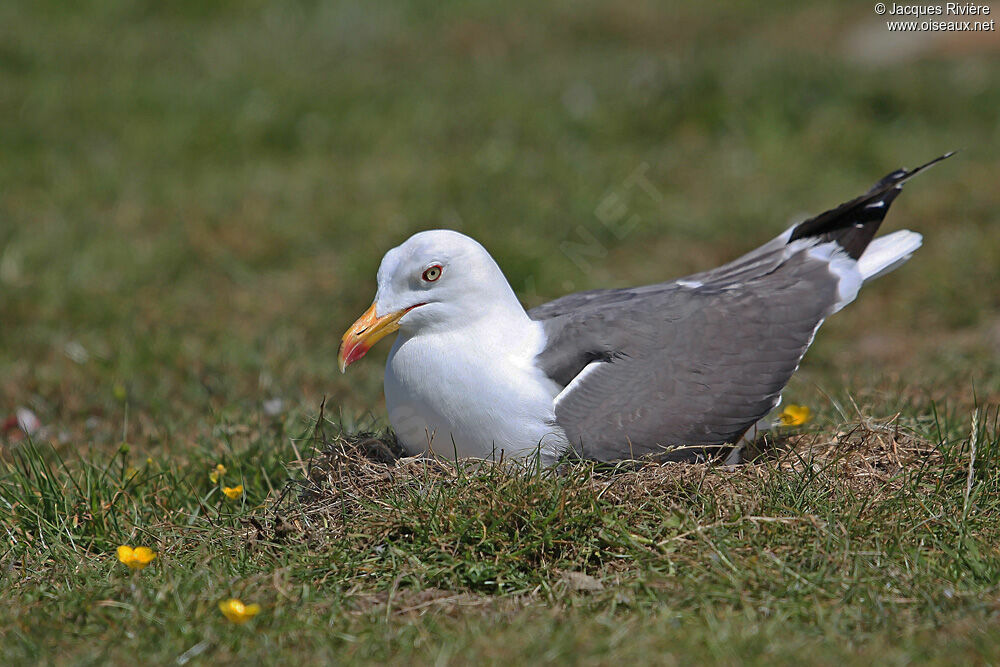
(754,263)
(852,225)
(690,367)
(699,360)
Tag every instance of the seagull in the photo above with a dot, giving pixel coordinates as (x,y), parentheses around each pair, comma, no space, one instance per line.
(679,370)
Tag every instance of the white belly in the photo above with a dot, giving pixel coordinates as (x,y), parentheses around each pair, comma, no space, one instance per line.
(479,401)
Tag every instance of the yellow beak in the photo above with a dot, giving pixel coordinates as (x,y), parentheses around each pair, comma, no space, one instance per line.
(363,334)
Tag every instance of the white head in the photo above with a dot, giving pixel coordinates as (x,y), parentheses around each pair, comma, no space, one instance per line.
(438,279)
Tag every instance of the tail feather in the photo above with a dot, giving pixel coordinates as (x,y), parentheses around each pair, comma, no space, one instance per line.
(887,253)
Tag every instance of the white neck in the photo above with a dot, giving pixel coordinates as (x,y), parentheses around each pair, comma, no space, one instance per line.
(462,384)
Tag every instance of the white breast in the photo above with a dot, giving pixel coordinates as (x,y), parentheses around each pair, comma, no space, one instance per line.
(473,392)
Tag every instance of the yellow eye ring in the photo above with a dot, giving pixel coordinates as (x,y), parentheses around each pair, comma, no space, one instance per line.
(433,273)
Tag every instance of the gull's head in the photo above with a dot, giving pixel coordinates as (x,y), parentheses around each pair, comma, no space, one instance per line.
(436,280)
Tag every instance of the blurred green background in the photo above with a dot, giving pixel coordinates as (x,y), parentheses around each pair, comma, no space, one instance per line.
(195,196)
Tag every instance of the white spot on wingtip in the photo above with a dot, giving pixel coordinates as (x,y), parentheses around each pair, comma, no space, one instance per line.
(690,284)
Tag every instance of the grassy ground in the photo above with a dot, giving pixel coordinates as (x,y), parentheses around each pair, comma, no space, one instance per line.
(194,198)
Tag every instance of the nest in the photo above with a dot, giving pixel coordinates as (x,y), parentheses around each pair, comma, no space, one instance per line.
(353,478)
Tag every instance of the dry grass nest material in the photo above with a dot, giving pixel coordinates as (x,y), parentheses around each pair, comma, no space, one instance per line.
(352,475)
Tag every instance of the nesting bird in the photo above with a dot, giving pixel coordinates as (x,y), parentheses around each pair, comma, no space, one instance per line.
(675,370)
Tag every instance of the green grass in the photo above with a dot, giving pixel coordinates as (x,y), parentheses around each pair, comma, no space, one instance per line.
(871,547)
(194,198)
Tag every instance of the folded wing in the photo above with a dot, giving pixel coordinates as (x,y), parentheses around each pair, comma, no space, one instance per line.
(673,368)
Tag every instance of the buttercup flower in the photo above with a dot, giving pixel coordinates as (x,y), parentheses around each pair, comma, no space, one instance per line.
(237,612)
(217,474)
(233,492)
(795,415)
(136,558)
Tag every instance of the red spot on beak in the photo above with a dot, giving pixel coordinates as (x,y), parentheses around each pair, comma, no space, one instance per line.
(351,352)
(368,330)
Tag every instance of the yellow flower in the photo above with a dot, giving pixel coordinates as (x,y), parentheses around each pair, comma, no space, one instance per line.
(217,474)
(237,612)
(233,492)
(137,558)
(795,415)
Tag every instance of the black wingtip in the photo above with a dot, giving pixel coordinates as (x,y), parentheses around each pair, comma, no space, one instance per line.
(854,224)
(902,175)
(913,172)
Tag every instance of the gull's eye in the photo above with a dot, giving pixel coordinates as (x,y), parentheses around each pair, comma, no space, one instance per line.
(433,273)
